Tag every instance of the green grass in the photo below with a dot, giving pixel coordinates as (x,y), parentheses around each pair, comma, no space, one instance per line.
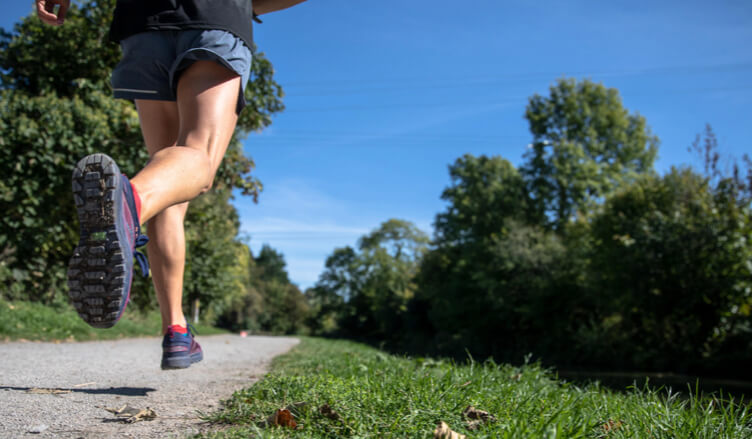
(37,322)
(384,396)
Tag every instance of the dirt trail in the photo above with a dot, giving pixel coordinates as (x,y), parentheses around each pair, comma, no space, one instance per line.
(60,390)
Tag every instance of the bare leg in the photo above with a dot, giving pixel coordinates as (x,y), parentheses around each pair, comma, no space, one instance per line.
(202,123)
(166,248)
(167,258)
(207,95)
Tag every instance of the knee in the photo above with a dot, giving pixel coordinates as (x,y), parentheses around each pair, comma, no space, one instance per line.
(208,182)
(207,176)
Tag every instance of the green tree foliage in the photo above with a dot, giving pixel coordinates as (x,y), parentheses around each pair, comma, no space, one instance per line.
(673,262)
(285,308)
(213,273)
(487,282)
(585,144)
(484,192)
(57,107)
(372,286)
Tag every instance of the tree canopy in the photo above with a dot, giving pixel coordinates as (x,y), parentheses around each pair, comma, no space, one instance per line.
(585,144)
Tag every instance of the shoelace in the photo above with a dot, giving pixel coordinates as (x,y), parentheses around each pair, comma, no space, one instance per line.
(141,241)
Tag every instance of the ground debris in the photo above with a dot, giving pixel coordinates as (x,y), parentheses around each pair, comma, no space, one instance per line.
(610,426)
(130,414)
(281,418)
(444,432)
(37,429)
(47,391)
(475,418)
(330,413)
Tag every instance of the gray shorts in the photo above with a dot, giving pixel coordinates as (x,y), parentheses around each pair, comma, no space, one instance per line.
(153,61)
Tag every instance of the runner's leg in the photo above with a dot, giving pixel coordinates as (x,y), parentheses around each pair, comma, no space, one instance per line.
(203,120)
(166,248)
(207,98)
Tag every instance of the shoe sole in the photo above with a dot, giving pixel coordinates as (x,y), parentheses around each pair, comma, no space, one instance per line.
(97,275)
(181,363)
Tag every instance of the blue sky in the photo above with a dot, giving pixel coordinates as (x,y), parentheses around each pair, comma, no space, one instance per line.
(383,96)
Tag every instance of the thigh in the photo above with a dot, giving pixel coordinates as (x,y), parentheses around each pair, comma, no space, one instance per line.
(207,94)
(159,123)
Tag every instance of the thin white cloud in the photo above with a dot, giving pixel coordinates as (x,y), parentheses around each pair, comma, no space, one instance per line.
(284,226)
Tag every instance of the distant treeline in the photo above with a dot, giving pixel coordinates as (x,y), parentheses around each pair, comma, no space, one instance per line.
(582,256)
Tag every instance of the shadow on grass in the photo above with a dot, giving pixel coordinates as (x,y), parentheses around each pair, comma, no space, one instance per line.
(737,387)
(684,384)
(121,391)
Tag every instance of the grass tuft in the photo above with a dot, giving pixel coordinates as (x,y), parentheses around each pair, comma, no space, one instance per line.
(36,322)
(377,395)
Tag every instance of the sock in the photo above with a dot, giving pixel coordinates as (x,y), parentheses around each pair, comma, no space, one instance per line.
(177,329)
(137,200)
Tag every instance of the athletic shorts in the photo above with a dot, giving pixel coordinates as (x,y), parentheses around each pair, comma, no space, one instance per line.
(153,61)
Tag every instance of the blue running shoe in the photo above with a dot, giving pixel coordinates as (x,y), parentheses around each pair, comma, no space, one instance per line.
(100,272)
(179,348)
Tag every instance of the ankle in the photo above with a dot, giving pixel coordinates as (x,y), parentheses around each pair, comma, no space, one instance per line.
(182,323)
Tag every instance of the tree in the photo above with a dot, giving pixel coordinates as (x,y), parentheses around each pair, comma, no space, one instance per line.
(489,274)
(213,271)
(57,107)
(285,308)
(374,283)
(585,144)
(673,264)
(484,193)
(271,265)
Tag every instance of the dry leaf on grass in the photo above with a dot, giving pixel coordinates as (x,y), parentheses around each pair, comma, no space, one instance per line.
(330,413)
(611,426)
(282,418)
(444,432)
(48,391)
(130,414)
(475,418)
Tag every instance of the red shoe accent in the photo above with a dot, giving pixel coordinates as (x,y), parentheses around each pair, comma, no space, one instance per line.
(137,200)
(177,329)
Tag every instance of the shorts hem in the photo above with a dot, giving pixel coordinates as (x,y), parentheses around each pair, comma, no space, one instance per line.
(202,54)
(133,95)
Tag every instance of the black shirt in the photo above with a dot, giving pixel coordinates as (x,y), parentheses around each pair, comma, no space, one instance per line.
(134,16)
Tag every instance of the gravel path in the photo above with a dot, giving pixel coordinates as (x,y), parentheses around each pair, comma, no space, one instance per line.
(82,378)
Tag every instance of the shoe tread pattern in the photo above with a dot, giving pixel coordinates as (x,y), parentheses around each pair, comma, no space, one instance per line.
(96,269)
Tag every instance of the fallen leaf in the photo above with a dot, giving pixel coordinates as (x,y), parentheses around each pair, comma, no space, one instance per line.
(48,391)
(329,413)
(130,414)
(611,426)
(282,418)
(444,432)
(474,418)
(481,415)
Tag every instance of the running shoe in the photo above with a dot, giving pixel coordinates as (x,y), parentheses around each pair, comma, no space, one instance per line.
(100,271)
(179,348)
